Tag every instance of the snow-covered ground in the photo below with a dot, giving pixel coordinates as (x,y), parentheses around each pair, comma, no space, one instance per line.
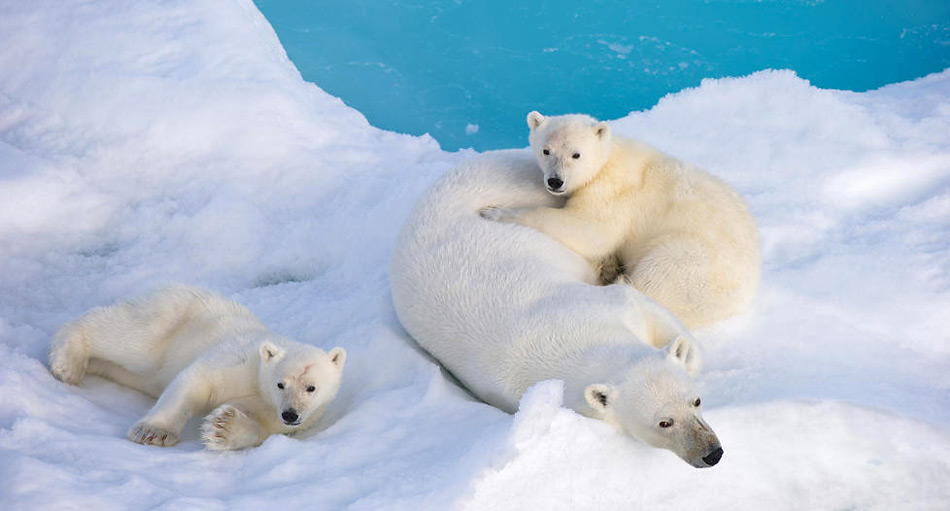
(149,142)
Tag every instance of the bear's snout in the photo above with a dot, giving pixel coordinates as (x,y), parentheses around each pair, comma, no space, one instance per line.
(713,457)
(555,183)
(290,417)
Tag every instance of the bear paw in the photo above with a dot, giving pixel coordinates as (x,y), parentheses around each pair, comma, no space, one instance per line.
(67,366)
(229,428)
(497,214)
(149,434)
(612,271)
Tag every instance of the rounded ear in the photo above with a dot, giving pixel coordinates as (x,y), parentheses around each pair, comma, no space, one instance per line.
(535,119)
(684,351)
(270,352)
(597,396)
(602,130)
(338,357)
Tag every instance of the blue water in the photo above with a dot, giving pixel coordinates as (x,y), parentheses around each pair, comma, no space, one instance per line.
(467,72)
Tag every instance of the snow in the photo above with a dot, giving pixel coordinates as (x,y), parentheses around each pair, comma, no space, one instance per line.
(149,142)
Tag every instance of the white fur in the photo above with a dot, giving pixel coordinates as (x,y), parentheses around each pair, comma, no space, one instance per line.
(503,307)
(195,351)
(682,236)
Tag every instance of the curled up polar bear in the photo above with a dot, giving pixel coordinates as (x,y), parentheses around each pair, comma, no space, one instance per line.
(503,307)
(677,233)
(198,351)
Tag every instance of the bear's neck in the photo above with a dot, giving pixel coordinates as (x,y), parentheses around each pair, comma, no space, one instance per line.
(608,364)
(625,172)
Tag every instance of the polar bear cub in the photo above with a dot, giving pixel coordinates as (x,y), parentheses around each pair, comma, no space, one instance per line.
(196,351)
(680,235)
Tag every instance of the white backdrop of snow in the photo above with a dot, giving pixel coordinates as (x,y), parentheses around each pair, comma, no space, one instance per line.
(149,142)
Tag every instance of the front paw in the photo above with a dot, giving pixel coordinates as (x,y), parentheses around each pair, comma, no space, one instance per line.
(150,434)
(229,428)
(497,214)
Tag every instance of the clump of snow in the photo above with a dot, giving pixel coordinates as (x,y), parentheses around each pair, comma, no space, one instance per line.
(144,143)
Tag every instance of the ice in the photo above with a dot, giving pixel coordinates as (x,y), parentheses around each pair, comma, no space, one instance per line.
(146,143)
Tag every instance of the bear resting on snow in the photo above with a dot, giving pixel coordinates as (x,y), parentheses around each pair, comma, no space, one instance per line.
(197,351)
(504,307)
(678,234)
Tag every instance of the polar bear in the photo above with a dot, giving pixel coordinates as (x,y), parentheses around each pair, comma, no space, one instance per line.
(681,236)
(503,307)
(196,351)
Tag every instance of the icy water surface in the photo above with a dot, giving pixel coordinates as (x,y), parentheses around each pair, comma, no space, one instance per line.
(467,72)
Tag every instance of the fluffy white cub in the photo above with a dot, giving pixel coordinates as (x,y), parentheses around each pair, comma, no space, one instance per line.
(679,234)
(196,351)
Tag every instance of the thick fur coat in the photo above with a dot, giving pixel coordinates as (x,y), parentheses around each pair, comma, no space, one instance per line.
(196,351)
(676,232)
(503,307)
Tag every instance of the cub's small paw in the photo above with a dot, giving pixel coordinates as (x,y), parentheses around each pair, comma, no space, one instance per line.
(149,434)
(66,370)
(612,271)
(624,280)
(497,214)
(229,428)
(67,363)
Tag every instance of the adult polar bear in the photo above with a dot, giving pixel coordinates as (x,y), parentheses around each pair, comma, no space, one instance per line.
(504,307)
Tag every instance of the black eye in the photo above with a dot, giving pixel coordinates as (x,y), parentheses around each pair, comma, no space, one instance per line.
(280,385)
(576,156)
(311,388)
(666,423)
(697,402)
(546,152)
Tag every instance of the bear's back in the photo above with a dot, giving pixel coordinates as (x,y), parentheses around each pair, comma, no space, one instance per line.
(499,305)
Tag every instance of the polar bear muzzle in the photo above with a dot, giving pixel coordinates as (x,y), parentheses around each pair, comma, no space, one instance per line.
(290,417)
(713,457)
(555,185)
(697,444)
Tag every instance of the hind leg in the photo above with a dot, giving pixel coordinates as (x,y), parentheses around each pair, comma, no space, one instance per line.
(676,272)
(129,339)
(69,354)
(78,345)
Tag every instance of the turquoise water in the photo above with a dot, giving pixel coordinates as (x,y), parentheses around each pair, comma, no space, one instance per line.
(467,72)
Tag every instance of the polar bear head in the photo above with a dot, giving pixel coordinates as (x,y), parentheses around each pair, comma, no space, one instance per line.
(571,149)
(298,380)
(656,402)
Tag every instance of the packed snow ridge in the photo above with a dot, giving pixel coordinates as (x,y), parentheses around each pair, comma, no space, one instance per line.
(142,144)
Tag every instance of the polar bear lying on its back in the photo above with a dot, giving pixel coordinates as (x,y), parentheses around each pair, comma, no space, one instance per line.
(682,236)
(504,307)
(195,351)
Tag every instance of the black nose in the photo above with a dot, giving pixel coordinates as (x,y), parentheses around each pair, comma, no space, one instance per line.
(290,416)
(555,183)
(713,457)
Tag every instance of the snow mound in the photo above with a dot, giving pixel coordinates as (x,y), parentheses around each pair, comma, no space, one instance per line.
(148,142)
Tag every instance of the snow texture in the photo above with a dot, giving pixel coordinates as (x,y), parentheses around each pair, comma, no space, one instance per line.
(148,142)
